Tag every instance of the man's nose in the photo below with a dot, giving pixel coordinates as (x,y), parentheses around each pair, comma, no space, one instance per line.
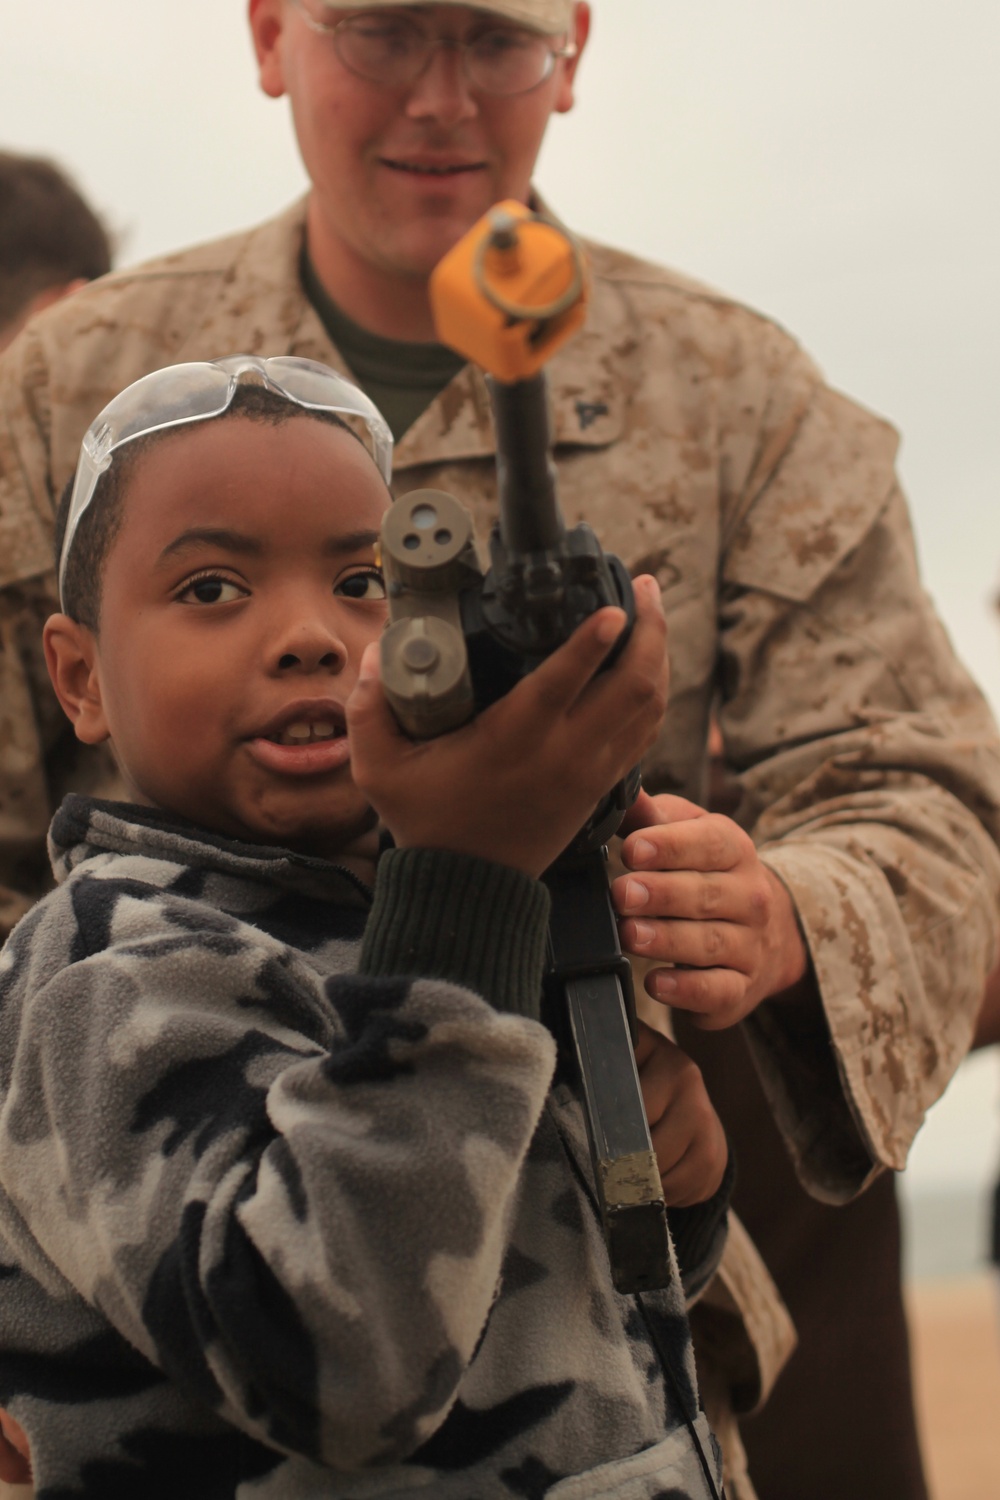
(442,91)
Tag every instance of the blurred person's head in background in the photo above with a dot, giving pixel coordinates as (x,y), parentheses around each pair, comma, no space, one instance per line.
(51,241)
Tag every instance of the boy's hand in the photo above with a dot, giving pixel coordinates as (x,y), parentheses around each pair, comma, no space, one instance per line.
(701,899)
(688,1138)
(15,1455)
(517,783)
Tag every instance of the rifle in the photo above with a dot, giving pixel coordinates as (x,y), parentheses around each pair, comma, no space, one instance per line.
(506,297)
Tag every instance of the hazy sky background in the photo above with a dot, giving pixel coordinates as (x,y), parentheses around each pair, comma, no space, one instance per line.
(834,165)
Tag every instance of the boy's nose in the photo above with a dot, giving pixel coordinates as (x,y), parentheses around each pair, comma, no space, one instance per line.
(310,648)
(309,662)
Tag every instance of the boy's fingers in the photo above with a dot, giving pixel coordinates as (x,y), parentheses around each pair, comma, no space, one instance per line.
(633,683)
(557,682)
(569,679)
(367,699)
(634,691)
(661,1065)
(646,1042)
(696,1174)
(371,727)
(15,1454)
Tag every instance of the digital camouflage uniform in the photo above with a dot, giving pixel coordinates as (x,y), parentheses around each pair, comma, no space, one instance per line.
(704,447)
(282,1219)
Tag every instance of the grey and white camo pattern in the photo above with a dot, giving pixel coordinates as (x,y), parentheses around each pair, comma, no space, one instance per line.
(275,1229)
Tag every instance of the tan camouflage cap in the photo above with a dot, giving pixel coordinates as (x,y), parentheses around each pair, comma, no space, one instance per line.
(552,16)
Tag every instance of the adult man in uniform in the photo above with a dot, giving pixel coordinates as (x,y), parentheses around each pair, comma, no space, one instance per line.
(704,447)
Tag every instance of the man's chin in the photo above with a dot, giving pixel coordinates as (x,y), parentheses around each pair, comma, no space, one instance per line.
(429,238)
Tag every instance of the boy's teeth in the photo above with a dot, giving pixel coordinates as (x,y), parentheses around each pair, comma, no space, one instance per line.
(298,734)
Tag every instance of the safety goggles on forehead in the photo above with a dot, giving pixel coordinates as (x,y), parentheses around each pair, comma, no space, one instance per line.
(195,392)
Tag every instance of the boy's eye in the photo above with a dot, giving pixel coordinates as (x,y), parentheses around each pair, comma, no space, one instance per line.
(211,590)
(367,584)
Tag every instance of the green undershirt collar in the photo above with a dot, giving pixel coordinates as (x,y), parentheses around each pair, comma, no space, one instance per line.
(402,378)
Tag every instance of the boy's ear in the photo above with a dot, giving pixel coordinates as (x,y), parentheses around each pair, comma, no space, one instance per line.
(71,657)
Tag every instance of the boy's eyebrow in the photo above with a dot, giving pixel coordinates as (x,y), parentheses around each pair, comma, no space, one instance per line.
(237,541)
(212,536)
(350,541)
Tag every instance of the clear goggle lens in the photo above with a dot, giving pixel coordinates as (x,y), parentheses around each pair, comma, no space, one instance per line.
(180,394)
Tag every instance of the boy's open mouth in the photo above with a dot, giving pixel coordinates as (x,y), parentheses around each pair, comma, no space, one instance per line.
(306,738)
(304,733)
(305,722)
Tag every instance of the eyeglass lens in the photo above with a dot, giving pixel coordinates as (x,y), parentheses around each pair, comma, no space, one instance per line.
(394,51)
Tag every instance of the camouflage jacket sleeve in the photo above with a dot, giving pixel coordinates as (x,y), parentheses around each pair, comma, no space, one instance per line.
(291,1194)
(870,775)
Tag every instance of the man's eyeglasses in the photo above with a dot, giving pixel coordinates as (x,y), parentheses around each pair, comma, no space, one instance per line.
(195,392)
(394,50)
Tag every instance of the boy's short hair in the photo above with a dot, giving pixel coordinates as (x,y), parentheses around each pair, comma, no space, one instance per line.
(48,234)
(101,521)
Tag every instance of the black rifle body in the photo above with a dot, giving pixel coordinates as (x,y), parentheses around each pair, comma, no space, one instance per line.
(460,640)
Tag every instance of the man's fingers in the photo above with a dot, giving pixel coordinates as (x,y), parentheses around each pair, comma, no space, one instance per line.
(687,895)
(702,843)
(703,945)
(648,811)
(714,998)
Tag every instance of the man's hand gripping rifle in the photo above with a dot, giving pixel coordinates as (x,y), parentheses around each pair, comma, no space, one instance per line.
(506,297)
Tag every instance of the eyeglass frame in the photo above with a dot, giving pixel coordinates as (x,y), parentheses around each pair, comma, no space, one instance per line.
(99,444)
(324,28)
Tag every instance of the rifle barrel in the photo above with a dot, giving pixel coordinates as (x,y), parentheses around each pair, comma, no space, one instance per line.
(530,518)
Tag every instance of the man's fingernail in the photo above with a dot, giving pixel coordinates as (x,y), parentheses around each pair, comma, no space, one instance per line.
(665,985)
(643,852)
(643,934)
(636,894)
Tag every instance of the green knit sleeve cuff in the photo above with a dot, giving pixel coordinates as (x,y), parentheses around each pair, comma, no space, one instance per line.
(437,915)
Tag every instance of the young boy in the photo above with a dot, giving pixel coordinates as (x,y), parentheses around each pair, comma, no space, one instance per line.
(290,1204)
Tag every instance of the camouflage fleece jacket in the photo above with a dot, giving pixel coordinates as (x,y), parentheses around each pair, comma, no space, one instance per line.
(288,1203)
(704,447)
